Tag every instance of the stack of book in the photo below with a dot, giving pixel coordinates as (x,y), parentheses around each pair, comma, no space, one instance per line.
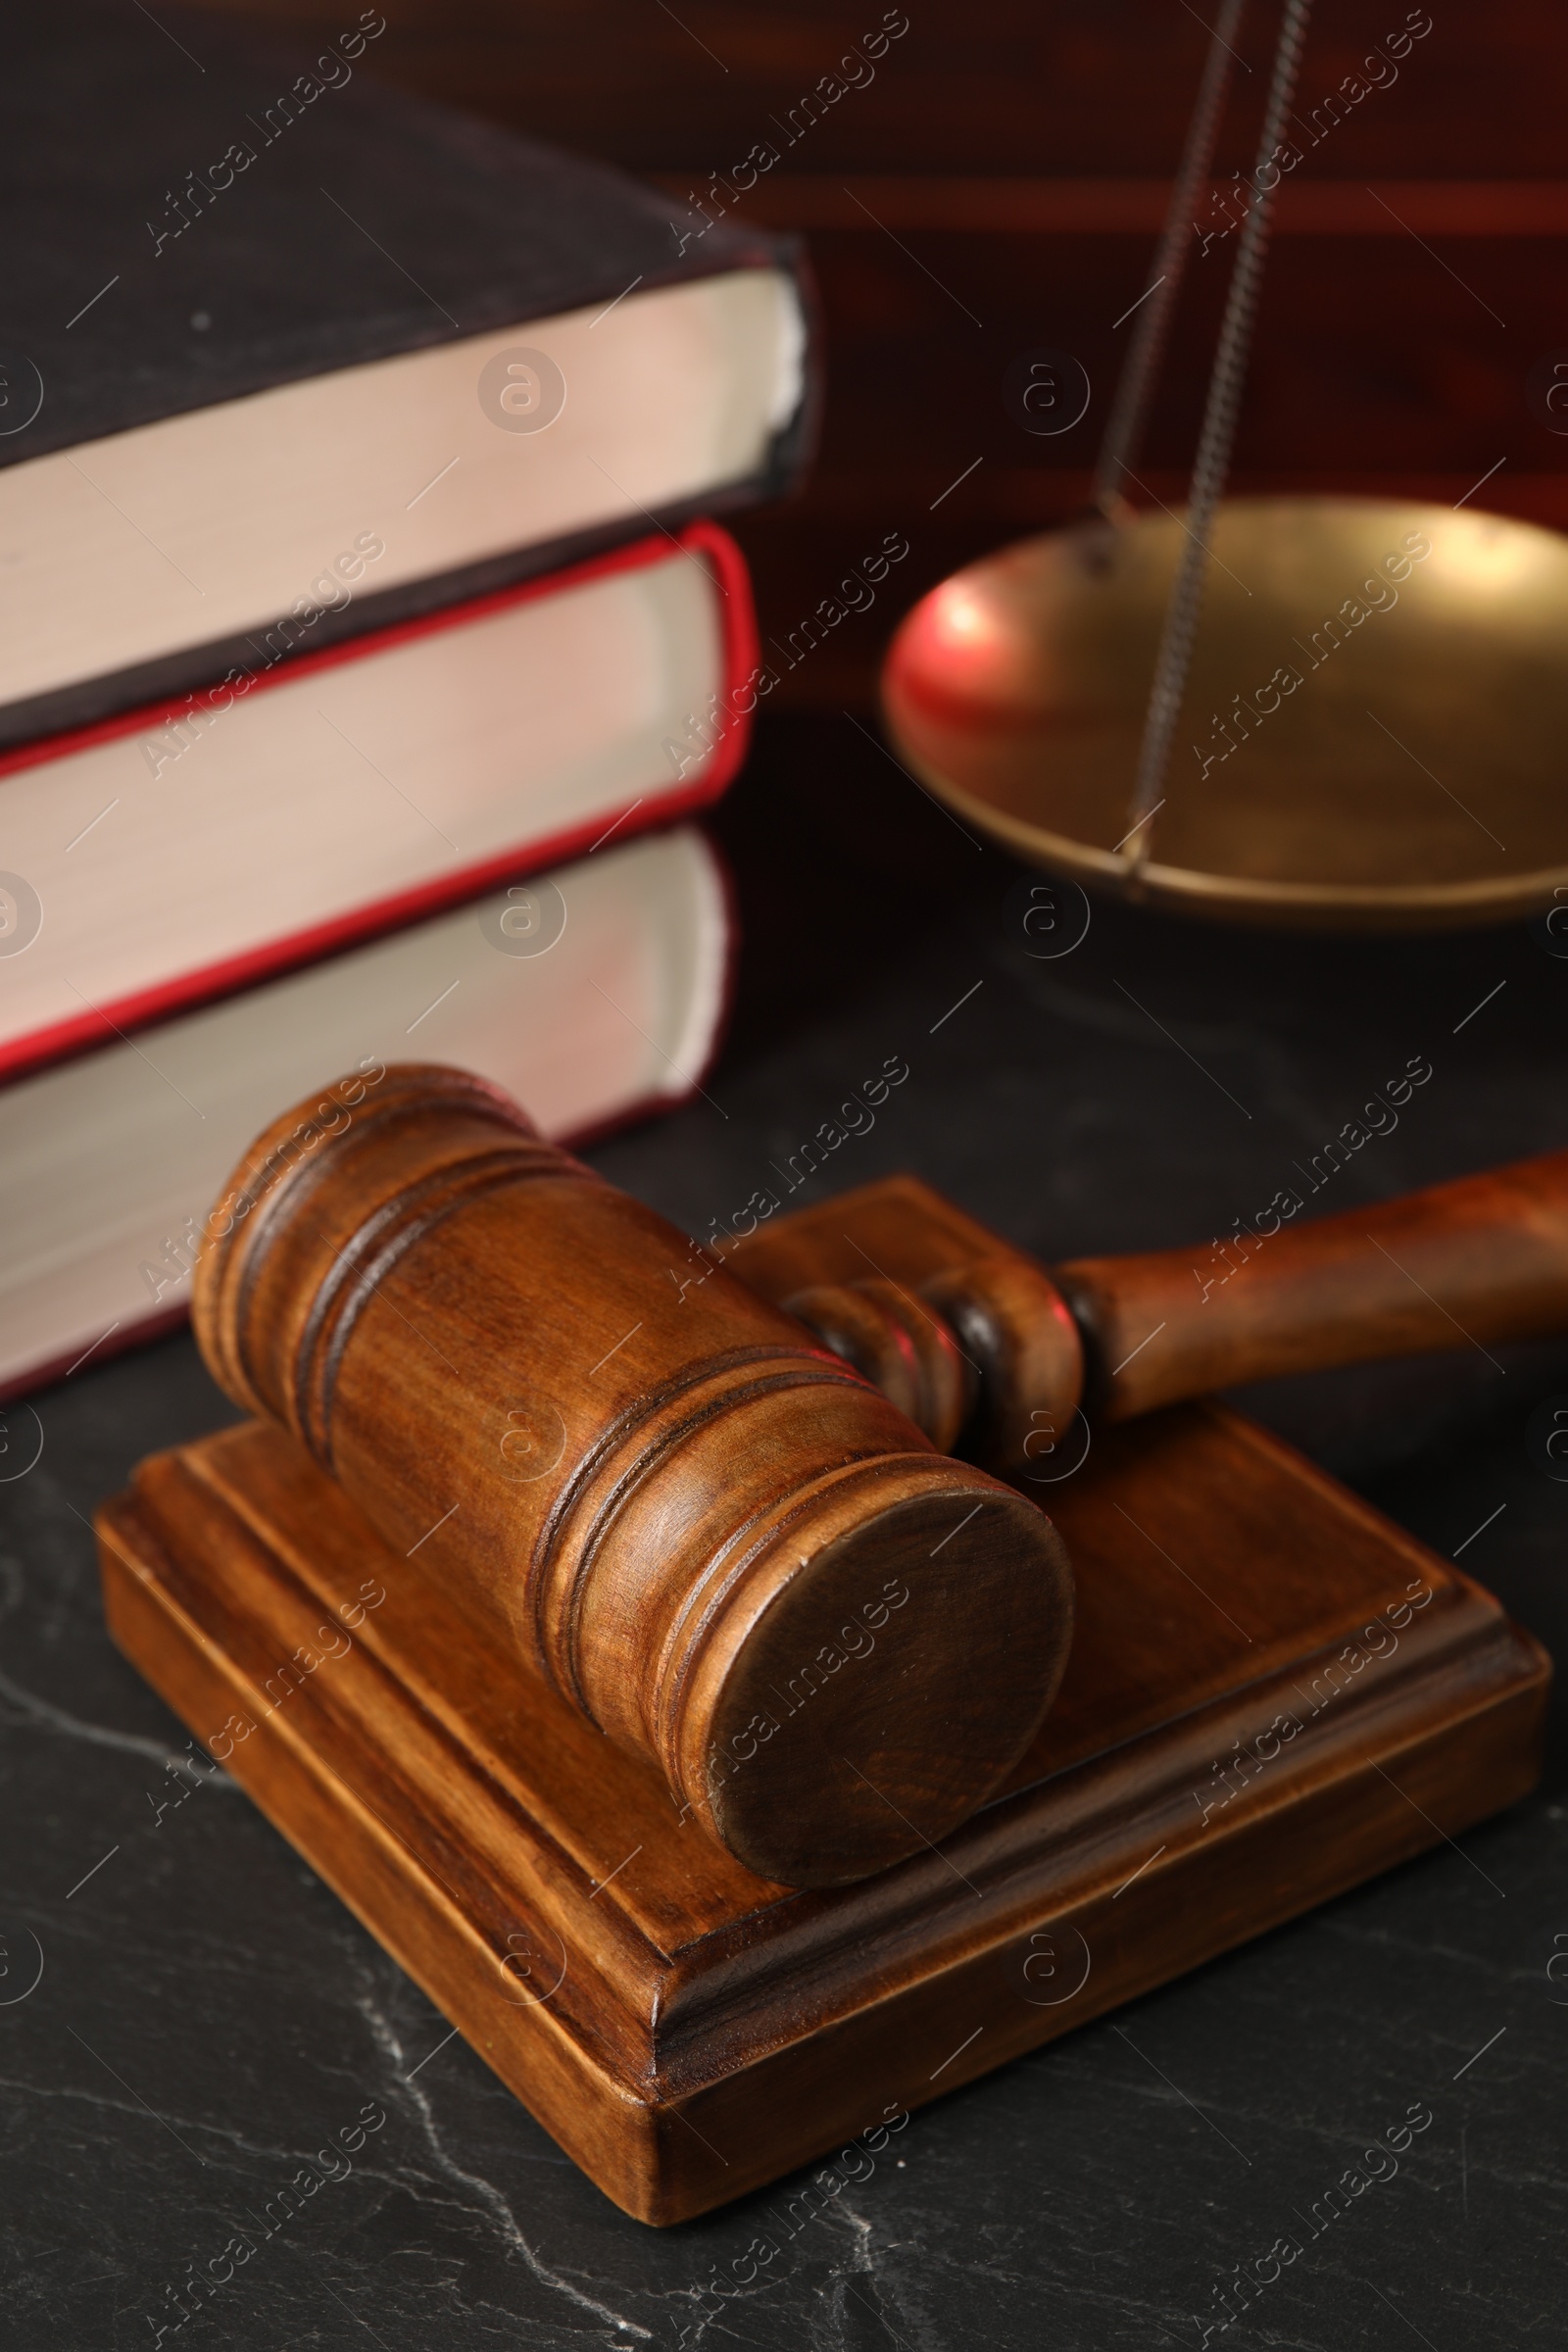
(368,634)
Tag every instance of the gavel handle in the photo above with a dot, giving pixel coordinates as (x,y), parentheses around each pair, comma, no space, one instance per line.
(1478,1262)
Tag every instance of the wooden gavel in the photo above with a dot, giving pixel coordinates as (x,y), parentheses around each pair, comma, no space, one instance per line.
(988,1352)
(724,1531)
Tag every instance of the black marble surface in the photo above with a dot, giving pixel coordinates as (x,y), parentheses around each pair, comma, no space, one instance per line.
(208,2014)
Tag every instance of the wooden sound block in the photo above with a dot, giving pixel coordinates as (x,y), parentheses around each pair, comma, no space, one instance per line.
(1272,1694)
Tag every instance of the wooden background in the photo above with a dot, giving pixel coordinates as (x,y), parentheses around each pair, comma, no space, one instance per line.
(997,188)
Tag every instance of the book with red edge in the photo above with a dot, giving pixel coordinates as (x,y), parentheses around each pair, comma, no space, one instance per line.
(176,853)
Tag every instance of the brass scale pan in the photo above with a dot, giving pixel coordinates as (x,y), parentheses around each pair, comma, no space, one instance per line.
(1372,738)
(1357,709)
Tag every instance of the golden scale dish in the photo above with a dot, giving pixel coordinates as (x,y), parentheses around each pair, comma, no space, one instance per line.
(1342,713)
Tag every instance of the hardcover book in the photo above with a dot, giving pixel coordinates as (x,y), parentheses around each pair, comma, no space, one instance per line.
(592,994)
(180,853)
(285,349)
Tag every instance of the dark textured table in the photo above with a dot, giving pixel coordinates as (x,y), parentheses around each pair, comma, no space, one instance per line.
(208,2013)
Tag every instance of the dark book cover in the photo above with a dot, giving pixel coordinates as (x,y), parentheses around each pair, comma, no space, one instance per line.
(194,214)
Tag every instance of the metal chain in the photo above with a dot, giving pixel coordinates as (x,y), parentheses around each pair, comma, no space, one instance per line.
(1135,387)
(1212,463)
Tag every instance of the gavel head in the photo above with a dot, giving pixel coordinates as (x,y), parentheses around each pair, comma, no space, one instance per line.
(654,1489)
